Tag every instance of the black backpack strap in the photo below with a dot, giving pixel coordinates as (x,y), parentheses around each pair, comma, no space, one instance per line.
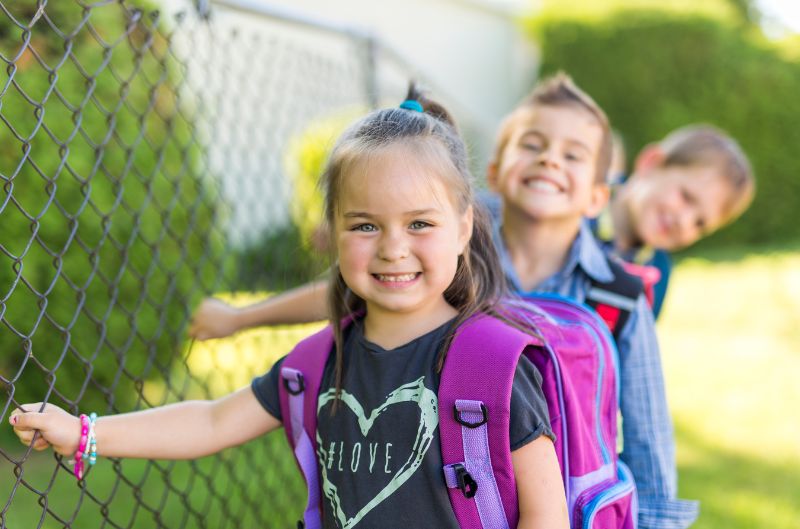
(614,301)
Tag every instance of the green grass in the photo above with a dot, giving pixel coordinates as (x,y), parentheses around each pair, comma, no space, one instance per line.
(256,485)
(730,334)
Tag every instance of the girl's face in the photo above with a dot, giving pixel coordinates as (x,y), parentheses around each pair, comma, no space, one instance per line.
(398,234)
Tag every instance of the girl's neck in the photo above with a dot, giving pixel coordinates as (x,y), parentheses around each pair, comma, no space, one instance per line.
(390,329)
(538,249)
(624,237)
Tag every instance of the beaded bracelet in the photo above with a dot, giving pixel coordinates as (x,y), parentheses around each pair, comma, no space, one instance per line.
(82,446)
(92,455)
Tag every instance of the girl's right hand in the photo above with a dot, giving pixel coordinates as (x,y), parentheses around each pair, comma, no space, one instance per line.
(214,319)
(56,427)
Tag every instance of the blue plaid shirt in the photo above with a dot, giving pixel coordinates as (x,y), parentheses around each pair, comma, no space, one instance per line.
(648,440)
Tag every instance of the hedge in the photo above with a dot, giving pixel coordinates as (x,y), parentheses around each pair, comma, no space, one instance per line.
(655,70)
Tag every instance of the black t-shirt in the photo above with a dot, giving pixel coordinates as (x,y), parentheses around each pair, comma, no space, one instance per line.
(379,453)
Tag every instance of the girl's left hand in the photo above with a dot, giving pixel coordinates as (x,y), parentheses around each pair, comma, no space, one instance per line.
(56,427)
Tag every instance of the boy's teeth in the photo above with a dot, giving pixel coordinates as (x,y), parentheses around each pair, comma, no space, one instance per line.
(404,277)
(542,185)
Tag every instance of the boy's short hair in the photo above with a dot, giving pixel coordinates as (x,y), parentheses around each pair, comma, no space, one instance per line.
(560,91)
(705,145)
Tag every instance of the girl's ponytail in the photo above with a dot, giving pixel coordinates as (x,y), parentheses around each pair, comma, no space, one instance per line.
(430,107)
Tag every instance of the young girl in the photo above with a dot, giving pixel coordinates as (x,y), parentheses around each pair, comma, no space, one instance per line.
(413,261)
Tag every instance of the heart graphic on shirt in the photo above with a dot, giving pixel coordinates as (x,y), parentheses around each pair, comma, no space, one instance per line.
(415,392)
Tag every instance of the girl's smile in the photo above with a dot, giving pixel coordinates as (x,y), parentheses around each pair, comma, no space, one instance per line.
(397,280)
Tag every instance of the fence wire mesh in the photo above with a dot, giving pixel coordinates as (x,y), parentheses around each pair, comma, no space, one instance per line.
(149,159)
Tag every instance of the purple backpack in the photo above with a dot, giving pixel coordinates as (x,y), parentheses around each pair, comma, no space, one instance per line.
(577,361)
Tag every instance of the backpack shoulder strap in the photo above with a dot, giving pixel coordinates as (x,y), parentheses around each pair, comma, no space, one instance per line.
(301,376)
(650,276)
(614,301)
(474,412)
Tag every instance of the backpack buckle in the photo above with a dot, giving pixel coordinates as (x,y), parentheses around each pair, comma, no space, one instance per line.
(299,380)
(460,420)
(466,484)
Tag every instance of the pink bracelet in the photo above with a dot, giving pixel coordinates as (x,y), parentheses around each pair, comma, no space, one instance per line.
(82,446)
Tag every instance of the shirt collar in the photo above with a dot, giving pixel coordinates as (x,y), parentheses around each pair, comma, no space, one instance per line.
(585,253)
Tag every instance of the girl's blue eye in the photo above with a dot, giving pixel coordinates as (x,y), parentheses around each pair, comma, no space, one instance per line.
(367,228)
(418,225)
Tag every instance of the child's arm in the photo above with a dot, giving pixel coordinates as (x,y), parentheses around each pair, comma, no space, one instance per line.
(217,319)
(540,490)
(186,430)
(648,440)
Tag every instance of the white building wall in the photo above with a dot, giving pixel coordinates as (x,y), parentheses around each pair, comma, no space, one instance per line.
(472,51)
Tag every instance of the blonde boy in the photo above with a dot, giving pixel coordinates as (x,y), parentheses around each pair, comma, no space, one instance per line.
(687,186)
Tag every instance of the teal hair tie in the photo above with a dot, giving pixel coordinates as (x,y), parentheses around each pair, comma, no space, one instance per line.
(410,104)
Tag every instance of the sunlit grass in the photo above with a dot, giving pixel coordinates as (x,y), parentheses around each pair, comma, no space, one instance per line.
(218,367)
(730,337)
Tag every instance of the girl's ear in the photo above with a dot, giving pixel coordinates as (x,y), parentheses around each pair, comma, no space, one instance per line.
(600,195)
(465,229)
(650,157)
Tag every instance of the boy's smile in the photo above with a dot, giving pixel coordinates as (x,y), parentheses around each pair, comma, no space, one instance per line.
(543,184)
(549,165)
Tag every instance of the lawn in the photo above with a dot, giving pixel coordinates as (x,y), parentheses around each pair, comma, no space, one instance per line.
(730,334)
(730,337)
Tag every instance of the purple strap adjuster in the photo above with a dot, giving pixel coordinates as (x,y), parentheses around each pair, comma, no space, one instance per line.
(475,477)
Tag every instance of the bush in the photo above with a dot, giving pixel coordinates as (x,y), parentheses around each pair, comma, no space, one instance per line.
(305,160)
(297,252)
(655,70)
(106,221)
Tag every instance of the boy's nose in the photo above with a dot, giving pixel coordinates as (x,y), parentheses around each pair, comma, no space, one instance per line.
(548,159)
(687,225)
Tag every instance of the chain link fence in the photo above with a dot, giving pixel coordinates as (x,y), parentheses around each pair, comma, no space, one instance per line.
(153,155)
